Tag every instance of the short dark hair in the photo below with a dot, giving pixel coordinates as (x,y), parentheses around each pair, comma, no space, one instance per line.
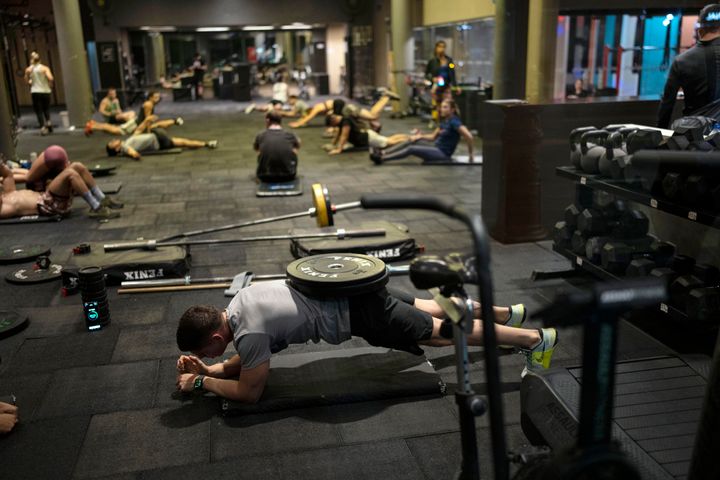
(273,117)
(196,325)
(293,96)
(152,92)
(110,151)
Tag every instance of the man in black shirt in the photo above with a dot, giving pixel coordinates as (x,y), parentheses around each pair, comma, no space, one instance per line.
(277,151)
(696,71)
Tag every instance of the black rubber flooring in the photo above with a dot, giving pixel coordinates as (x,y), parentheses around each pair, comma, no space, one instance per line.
(100,404)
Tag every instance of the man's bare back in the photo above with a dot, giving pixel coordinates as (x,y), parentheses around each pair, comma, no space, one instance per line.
(19,203)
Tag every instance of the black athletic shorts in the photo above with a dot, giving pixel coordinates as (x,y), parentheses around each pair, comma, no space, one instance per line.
(387,318)
(163,138)
(338,105)
(112,120)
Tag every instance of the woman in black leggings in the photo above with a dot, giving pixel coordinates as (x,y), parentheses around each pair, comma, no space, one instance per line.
(445,139)
(40,79)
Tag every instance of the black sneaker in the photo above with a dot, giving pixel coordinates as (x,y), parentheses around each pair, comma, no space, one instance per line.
(376,156)
(103,213)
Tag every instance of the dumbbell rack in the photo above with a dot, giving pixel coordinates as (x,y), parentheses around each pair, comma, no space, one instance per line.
(621,190)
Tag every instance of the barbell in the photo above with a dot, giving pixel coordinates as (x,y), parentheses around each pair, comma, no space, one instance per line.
(323,210)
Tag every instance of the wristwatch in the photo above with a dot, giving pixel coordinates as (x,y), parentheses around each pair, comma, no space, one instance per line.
(198,384)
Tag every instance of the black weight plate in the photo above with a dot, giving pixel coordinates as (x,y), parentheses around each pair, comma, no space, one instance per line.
(101,170)
(331,290)
(337,274)
(11,323)
(336,269)
(22,253)
(28,276)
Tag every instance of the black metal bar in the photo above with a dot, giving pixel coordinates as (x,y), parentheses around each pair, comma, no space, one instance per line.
(340,233)
(598,380)
(704,462)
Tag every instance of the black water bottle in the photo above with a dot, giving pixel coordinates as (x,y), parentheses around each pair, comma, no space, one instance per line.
(91,281)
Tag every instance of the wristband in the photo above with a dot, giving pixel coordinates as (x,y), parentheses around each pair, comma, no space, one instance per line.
(198,384)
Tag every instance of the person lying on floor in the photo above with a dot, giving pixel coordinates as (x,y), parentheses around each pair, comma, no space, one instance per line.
(339,106)
(357,132)
(266,317)
(155,140)
(298,107)
(130,127)
(56,198)
(445,139)
(277,151)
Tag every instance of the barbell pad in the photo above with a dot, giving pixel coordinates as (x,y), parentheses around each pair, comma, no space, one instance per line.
(323,210)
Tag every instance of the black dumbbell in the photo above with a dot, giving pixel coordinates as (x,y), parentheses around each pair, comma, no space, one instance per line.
(667,274)
(593,248)
(615,154)
(629,224)
(672,185)
(643,139)
(640,267)
(714,139)
(677,142)
(616,256)
(700,146)
(703,305)
(696,189)
(571,214)
(682,264)
(577,243)
(703,276)
(562,235)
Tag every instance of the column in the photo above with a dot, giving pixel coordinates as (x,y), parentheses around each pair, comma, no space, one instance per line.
(542,38)
(511,25)
(7,146)
(381,13)
(155,62)
(402,46)
(73,60)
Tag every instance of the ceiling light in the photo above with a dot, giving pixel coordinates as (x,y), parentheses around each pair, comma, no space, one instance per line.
(296,26)
(258,27)
(212,29)
(158,29)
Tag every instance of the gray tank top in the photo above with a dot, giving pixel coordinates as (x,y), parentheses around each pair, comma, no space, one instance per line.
(40,82)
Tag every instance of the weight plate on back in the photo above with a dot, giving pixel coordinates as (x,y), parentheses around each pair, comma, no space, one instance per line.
(22,253)
(323,206)
(11,323)
(337,274)
(101,170)
(28,276)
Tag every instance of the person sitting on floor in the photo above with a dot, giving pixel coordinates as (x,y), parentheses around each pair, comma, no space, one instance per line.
(339,106)
(110,109)
(155,140)
(266,317)
(277,151)
(355,131)
(57,197)
(445,139)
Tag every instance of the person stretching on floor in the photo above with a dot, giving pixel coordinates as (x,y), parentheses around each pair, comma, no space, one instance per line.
(277,151)
(131,127)
(356,132)
(445,139)
(339,106)
(298,108)
(57,197)
(154,141)
(266,317)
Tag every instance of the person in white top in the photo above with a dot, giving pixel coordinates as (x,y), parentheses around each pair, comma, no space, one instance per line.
(41,80)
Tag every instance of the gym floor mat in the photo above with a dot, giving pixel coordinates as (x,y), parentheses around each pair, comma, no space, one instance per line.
(341,376)
(30,219)
(280,189)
